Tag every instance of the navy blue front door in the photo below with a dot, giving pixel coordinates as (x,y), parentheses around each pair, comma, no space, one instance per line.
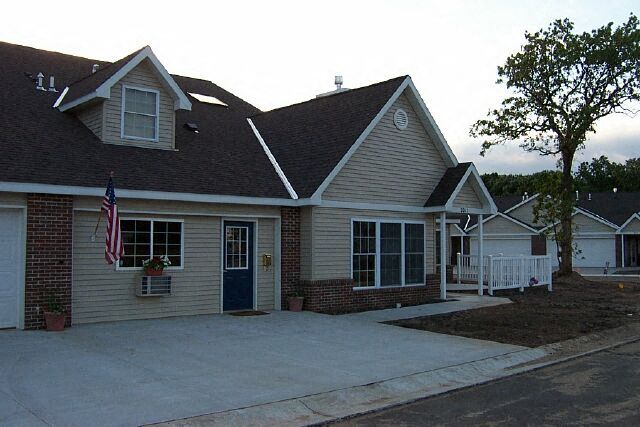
(237,265)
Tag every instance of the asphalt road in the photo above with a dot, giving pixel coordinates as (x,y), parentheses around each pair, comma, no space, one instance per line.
(603,388)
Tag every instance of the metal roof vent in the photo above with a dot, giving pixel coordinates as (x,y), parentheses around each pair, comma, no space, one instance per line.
(95,68)
(401,119)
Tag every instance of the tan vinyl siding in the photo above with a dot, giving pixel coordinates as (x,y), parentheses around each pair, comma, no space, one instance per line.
(306,239)
(102,294)
(632,227)
(92,117)
(135,206)
(266,278)
(392,166)
(524,213)
(500,225)
(468,197)
(332,239)
(584,224)
(141,76)
(13,199)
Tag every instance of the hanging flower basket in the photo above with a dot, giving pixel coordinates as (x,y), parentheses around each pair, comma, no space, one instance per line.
(154,266)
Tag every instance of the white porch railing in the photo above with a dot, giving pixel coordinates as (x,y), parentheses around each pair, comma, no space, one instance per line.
(507,272)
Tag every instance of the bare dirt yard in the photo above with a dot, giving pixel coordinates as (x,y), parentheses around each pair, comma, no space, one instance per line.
(537,317)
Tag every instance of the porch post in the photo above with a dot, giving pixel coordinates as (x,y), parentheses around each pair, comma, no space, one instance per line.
(443,255)
(480,256)
(622,246)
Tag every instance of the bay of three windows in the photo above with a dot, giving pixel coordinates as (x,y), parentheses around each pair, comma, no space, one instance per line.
(387,253)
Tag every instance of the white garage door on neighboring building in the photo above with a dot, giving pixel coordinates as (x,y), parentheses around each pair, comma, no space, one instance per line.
(506,247)
(10,265)
(596,252)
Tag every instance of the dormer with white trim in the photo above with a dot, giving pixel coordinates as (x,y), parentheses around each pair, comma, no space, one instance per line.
(130,102)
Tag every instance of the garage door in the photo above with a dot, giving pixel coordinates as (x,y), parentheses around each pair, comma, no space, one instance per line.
(10,265)
(595,253)
(506,247)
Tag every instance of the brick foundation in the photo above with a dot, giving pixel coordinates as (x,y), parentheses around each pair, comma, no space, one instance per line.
(290,253)
(337,296)
(49,256)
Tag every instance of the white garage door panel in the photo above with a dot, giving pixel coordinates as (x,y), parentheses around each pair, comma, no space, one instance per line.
(10,254)
(595,252)
(506,247)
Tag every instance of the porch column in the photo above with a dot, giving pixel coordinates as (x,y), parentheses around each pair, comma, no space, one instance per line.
(622,247)
(443,255)
(480,256)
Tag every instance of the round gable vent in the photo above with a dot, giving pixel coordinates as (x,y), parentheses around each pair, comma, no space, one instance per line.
(401,119)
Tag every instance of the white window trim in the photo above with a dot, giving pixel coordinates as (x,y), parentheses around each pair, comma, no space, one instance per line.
(122,111)
(402,223)
(246,254)
(152,220)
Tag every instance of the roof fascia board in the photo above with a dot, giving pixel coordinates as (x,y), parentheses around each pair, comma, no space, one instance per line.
(61,97)
(377,206)
(525,201)
(22,187)
(485,193)
(360,140)
(628,221)
(431,126)
(596,217)
(508,218)
(104,90)
(274,162)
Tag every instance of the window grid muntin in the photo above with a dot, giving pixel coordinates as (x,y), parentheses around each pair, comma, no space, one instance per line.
(237,247)
(364,257)
(146,229)
(417,255)
(150,113)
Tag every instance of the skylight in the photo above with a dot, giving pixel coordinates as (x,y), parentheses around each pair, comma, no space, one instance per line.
(207,99)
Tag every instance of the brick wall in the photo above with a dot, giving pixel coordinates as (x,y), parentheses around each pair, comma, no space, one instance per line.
(49,256)
(338,296)
(290,253)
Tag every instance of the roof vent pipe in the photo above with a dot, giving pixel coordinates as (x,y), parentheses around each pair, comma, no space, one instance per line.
(95,68)
(615,190)
(338,81)
(52,84)
(40,78)
(589,196)
(577,195)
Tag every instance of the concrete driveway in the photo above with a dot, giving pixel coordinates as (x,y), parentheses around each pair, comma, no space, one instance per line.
(136,372)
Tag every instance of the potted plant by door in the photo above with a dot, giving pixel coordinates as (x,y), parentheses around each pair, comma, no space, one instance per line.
(154,266)
(295,302)
(54,316)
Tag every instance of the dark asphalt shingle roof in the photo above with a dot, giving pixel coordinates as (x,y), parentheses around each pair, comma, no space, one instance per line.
(613,207)
(39,144)
(92,81)
(310,138)
(448,183)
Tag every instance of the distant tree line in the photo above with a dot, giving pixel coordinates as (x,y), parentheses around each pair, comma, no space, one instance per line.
(601,174)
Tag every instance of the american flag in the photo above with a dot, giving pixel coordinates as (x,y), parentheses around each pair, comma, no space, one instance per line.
(113,247)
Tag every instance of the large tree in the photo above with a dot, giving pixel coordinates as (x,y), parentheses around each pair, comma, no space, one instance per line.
(561,83)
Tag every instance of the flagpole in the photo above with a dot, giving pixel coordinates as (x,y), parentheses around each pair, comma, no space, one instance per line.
(95,230)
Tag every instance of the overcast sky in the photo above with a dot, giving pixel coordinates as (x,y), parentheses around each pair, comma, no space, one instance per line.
(274,53)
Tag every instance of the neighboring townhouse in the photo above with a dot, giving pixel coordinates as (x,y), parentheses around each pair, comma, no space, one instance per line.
(335,199)
(607,230)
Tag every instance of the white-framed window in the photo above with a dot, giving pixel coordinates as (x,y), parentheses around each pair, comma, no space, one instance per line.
(237,250)
(387,253)
(140,111)
(145,238)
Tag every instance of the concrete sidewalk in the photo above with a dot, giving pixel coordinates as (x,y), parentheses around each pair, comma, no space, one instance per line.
(140,372)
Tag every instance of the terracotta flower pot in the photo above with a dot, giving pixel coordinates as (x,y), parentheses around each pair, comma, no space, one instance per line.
(295,303)
(152,272)
(54,321)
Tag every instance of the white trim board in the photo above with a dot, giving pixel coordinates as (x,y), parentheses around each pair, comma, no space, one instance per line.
(471,171)
(577,211)
(627,222)
(104,90)
(524,202)
(425,117)
(509,218)
(273,161)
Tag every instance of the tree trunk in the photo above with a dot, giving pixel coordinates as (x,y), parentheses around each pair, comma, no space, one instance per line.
(566,233)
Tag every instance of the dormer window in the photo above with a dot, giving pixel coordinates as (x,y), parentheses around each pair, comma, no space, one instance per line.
(140,110)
